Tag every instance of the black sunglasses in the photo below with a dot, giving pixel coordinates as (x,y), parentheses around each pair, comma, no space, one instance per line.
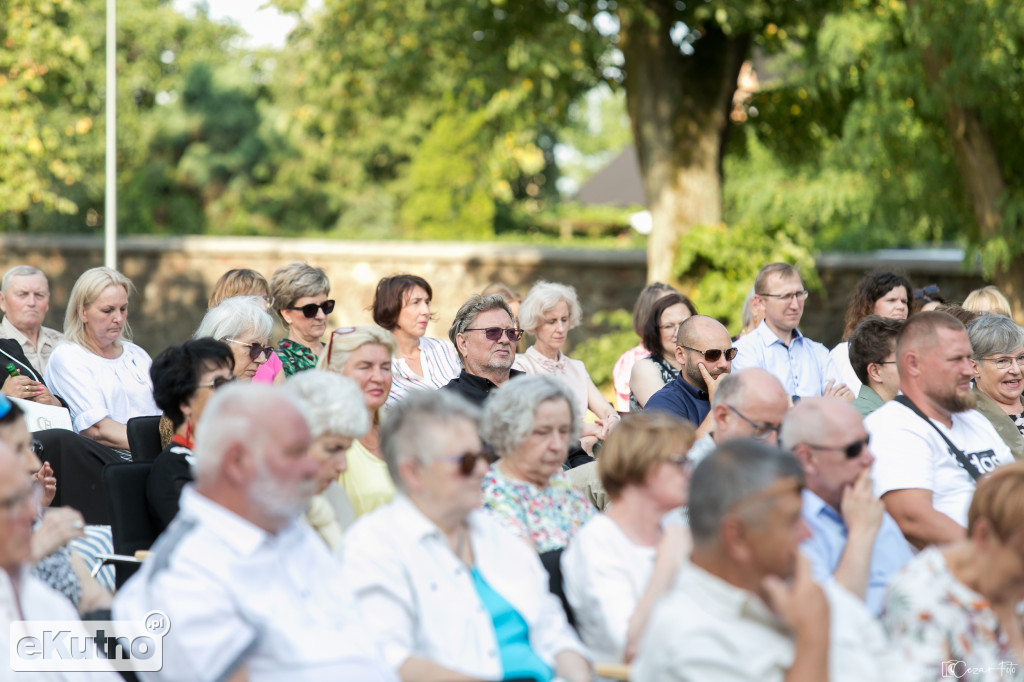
(467,460)
(713,354)
(255,349)
(309,310)
(494,333)
(852,450)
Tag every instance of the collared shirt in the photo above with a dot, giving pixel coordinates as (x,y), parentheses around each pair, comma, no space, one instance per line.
(236,595)
(440,364)
(804,366)
(828,540)
(1003,423)
(475,388)
(707,629)
(418,599)
(867,400)
(37,353)
(679,398)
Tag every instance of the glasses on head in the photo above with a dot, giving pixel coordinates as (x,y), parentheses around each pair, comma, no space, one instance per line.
(788,298)
(714,354)
(217,382)
(24,501)
(930,291)
(340,331)
(494,333)
(761,431)
(1004,361)
(467,460)
(852,450)
(309,310)
(255,349)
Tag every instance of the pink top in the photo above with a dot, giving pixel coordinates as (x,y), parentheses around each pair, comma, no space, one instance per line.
(620,375)
(269,370)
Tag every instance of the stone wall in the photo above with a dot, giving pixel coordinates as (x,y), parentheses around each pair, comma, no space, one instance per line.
(174,275)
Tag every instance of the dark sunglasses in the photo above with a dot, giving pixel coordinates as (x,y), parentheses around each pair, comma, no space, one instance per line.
(309,310)
(852,450)
(713,354)
(255,349)
(494,333)
(467,460)
(217,383)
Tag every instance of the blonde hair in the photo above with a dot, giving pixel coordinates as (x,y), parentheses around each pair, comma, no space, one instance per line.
(344,342)
(238,282)
(87,289)
(987,300)
(638,443)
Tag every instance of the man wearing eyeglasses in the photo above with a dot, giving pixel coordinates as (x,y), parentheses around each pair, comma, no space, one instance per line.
(802,365)
(705,353)
(853,540)
(484,333)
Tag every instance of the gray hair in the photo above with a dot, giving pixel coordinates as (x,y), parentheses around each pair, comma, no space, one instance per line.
(20,271)
(734,472)
(291,282)
(730,387)
(543,297)
(333,403)
(415,426)
(994,334)
(510,412)
(235,317)
(807,422)
(237,415)
(469,311)
(87,289)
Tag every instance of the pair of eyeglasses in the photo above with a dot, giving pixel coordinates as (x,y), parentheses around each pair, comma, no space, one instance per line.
(715,354)
(26,500)
(788,298)
(217,383)
(1005,361)
(761,431)
(309,310)
(852,450)
(467,460)
(255,349)
(494,333)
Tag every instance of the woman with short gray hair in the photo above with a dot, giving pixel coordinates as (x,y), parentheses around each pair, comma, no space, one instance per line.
(549,311)
(997,346)
(530,422)
(242,323)
(300,298)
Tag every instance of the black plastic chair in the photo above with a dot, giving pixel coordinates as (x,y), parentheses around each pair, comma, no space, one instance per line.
(132,527)
(144,438)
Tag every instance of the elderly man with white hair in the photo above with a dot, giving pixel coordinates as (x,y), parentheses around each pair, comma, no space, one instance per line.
(250,592)
(25,300)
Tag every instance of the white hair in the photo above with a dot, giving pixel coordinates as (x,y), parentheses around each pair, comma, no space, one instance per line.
(236,317)
(20,271)
(543,297)
(334,403)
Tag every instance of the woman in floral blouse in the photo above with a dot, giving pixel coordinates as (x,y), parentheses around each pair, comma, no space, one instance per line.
(299,291)
(530,422)
(955,611)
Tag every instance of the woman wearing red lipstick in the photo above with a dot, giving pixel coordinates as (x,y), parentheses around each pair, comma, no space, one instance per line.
(402,306)
(997,346)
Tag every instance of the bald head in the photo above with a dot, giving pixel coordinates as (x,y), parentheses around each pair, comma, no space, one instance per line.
(812,420)
(700,336)
(698,328)
(920,334)
(747,398)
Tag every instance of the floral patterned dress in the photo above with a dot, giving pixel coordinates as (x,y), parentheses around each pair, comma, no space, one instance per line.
(943,628)
(548,516)
(295,357)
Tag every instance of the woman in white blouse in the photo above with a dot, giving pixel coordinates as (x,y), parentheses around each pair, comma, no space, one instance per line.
(445,590)
(102,375)
(402,306)
(606,568)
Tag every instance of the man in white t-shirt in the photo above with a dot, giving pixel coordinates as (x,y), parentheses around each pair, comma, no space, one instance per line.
(925,485)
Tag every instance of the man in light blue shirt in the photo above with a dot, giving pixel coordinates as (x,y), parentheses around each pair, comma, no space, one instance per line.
(776,345)
(853,540)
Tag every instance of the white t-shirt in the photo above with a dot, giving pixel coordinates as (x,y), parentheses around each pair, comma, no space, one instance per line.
(910,454)
(841,359)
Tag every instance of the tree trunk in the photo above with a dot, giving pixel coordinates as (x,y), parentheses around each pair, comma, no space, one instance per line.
(679,108)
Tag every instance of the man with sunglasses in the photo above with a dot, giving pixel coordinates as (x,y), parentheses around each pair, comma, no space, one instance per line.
(485,335)
(853,540)
(704,351)
(803,366)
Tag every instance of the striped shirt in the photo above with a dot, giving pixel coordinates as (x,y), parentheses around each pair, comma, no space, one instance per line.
(440,365)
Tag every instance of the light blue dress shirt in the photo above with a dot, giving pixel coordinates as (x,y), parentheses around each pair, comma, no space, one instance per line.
(804,366)
(828,540)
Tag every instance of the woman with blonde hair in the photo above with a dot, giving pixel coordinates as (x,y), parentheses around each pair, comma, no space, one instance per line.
(300,291)
(102,375)
(364,355)
(988,300)
(246,282)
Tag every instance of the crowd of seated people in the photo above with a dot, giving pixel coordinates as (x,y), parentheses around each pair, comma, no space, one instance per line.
(403,507)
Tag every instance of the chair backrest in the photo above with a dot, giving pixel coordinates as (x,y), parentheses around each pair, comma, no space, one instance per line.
(132,527)
(144,438)
(552,561)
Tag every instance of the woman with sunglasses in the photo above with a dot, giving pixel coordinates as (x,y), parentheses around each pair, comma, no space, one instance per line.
(530,423)
(650,374)
(103,377)
(184,378)
(300,291)
(401,305)
(243,324)
(364,355)
(607,566)
(549,311)
(246,282)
